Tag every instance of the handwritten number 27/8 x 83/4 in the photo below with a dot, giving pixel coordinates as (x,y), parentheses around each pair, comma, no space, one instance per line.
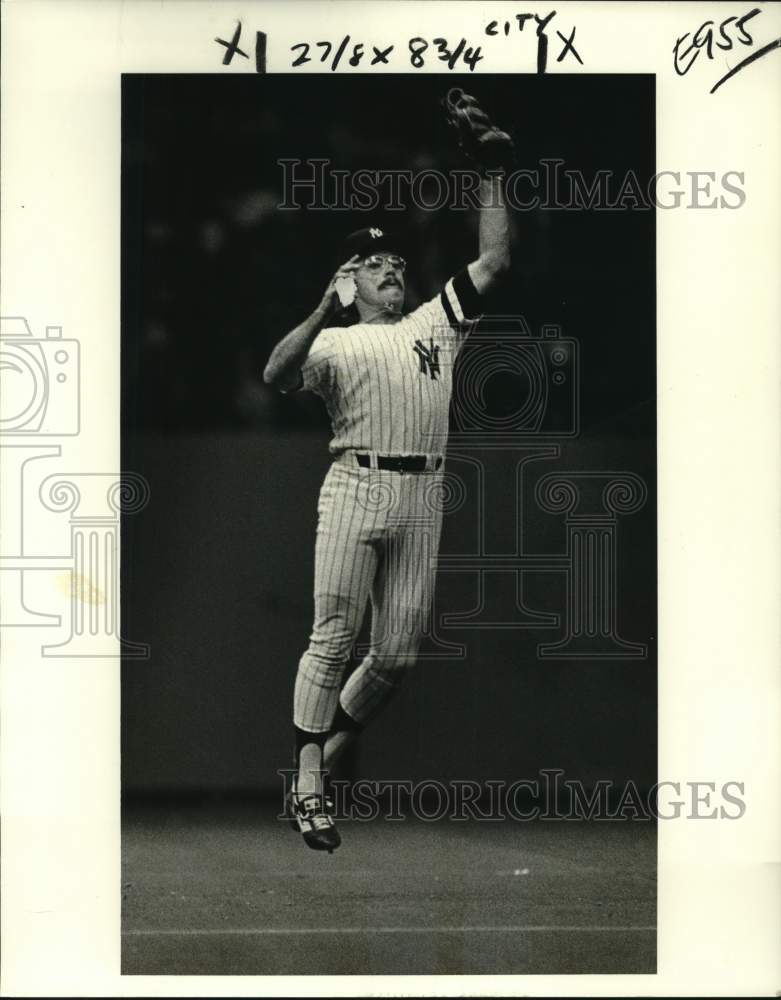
(335,53)
(355,53)
(470,54)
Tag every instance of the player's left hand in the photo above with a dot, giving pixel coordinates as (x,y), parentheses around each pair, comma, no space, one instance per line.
(340,282)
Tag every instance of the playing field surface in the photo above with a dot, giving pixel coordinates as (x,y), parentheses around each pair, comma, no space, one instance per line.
(228,889)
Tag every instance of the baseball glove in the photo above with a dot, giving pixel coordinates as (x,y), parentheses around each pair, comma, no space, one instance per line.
(481,141)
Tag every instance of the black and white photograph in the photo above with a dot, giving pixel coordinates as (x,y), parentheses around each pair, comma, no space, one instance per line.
(388,353)
(389,534)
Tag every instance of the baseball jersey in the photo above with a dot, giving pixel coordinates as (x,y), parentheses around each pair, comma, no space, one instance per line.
(387,387)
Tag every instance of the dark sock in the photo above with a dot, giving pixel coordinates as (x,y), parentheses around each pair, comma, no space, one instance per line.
(303,737)
(344,722)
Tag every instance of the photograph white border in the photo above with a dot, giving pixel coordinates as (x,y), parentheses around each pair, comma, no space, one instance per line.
(718,435)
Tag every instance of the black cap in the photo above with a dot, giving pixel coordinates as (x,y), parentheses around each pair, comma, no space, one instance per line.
(371,240)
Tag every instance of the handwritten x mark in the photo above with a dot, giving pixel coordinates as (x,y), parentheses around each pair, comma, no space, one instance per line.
(232,47)
(568,46)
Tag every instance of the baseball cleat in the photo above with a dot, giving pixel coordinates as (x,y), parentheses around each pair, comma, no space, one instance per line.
(309,815)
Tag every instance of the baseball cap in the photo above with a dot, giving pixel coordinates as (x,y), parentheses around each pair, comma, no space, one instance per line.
(372,239)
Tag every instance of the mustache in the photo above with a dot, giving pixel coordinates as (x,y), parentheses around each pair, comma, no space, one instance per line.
(390,281)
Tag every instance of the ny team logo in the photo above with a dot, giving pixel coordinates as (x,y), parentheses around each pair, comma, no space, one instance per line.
(428,357)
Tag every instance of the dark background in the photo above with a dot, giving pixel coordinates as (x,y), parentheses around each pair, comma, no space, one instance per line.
(217,570)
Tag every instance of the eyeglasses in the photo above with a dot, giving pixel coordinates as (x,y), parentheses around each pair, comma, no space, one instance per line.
(377,260)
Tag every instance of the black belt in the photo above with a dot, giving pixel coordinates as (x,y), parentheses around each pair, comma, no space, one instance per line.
(396,463)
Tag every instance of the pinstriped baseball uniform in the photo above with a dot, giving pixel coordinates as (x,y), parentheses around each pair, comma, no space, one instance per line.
(387,390)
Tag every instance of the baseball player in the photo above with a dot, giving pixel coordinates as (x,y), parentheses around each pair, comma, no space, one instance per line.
(386,382)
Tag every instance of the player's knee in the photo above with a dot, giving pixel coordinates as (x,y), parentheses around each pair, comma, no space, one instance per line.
(322,666)
(390,665)
(332,648)
(397,652)
(329,648)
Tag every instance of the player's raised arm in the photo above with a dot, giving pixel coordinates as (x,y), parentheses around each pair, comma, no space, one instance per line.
(494,239)
(492,152)
(283,368)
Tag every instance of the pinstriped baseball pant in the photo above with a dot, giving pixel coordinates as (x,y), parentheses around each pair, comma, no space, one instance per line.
(377,539)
